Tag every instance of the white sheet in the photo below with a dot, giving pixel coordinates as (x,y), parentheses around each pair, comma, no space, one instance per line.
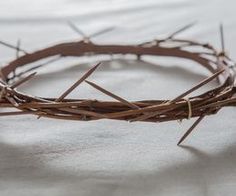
(50,157)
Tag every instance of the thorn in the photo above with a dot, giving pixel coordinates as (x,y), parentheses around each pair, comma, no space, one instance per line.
(190,130)
(138,57)
(181,30)
(12,47)
(40,65)
(17,48)
(112,95)
(23,80)
(86,75)
(101,32)
(222,38)
(85,37)
(17,55)
(77,30)
(205,81)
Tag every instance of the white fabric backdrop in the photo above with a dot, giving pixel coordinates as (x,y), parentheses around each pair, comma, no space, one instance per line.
(50,157)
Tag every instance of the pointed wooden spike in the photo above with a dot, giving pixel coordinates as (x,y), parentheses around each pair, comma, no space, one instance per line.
(222,38)
(101,32)
(12,47)
(190,130)
(77,30)
(181,29)
(23,80)
(202,83)
(131,105)
(39,66)
(17,48)
(86,75)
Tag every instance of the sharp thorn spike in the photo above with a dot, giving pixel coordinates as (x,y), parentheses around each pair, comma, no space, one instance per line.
(205,81)
(222,38)
(18,48)
(23,80)
(77,30)
(190,130)
(181,30)
(12,47)
(131,105)
(78,82)
(38,66)
(101,32)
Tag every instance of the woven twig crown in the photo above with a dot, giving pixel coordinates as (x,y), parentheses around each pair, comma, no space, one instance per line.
(181,107)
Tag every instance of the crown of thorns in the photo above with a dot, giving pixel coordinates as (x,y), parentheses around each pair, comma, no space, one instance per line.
(178,108)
